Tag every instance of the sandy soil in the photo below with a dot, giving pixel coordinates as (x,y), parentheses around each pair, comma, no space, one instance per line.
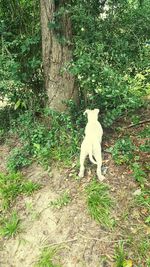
(82,242)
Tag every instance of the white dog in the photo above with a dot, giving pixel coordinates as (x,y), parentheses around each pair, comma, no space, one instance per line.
(91,144)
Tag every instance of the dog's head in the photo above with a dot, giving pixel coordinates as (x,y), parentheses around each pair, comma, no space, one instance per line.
(92,114)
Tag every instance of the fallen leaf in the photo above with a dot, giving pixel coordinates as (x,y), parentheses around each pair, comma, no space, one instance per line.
(128,263)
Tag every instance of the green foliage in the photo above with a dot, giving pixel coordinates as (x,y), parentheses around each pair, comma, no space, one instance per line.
(138,173)
(53,136)
(121,257)
(12,185)
(21,78)
(123,151)
(47,258)
(7,114)
(145,132)
(130,152)
(63,200)
(9,226)
(143,200)
(144,248)
(99,203)
(111,65)
(19,157)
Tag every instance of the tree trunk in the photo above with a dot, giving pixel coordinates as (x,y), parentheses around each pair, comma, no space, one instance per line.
(59,83)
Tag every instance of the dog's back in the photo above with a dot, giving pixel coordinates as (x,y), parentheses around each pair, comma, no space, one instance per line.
(91,144)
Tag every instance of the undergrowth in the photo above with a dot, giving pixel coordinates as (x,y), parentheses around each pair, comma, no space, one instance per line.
(51,136)
(133,150)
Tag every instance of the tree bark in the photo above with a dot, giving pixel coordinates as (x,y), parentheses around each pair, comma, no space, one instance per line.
(59,83)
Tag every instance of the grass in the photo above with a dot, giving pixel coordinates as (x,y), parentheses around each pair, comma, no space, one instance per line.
(99,203)
(47,258)
(9,226)
(120,257)
(63,200)
(13,184)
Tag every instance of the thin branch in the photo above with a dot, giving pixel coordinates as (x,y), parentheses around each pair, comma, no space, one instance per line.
(138,123)
(61,242)
(85,237)
(103,239)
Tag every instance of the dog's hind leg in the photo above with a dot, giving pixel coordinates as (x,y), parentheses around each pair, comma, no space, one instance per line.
(83,155)
(98,158)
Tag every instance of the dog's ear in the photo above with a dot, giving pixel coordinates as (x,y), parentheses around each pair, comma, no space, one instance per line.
(96,110)
(86,111)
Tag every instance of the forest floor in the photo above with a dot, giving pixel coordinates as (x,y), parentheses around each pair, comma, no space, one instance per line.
(78,240)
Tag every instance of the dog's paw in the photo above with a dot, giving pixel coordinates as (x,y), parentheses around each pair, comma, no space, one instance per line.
(81,174)
(101,178)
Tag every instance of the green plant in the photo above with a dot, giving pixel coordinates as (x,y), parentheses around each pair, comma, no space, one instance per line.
(29,187)
(11,185)
(145,147)
(19,157)
(143,200)
(61,201)
(99,203)
(135,119)
(55,137)
(20,61)
(111,75)
(144,248)
(10,226)
(138,173)
(47,258)
(145,132)
(148,262)
(123,151)
(121,257)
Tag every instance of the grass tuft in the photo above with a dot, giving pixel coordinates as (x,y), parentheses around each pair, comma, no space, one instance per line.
(63,200)
(47,258)
(99,203)
(11,185)
(9,226)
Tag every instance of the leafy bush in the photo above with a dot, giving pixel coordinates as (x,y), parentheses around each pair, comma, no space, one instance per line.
(111,65)
(19,157)
(138,173)
(123,151)
(21,80)
(54,136)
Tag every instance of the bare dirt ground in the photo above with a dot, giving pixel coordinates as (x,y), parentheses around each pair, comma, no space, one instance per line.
(82,242)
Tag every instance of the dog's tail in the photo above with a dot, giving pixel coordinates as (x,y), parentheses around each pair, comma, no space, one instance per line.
(91,157)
